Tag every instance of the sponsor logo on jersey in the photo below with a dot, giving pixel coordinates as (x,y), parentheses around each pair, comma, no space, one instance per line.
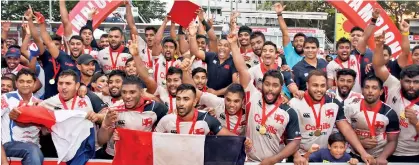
(120,123)
(200,131)
(394,100)
(323,126)
(223,116)
(306,115)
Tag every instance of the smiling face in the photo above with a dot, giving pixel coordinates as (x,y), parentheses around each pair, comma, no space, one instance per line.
(223,49)
(343,51)
(337,149)
(415,56)
(200,80)
(67,87)
(115,85)
(271,89)
(233,102)
(345,83)
(169,50)
(149,36)
(76,48)
(104,42)
(269,55)
(202,43)
(310,50)
(12,62)
(131,95)
(130,69)
(172,82)
(101,85)
(298,44)
(244,39)
(316,87)
(25,84)
(87,36)
(6,86)
(257,44)
(87,69)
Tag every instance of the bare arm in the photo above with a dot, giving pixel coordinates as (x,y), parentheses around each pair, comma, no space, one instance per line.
(213,46)
(378,62)
(53,50)
(193,44)
(141,69)
(25,41)
(238,60)
(282,25)
(5,27)
(130,20)
(390,147)
(33,32)
(362,44)
(183,43)
(157,48)
(350,136)
(290,148)
(65,19)
(173,31)
(404,56)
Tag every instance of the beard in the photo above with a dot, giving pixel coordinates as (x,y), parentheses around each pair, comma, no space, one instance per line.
(298,51)
(343,94)
(276,96)
(115,47)
(410,96)
(117,95)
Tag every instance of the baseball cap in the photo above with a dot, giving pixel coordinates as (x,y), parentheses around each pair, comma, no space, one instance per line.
(13,52)
(85,59)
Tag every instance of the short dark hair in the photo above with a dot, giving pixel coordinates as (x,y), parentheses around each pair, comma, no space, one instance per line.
(76,37)
(134,80)
(357,28)
(71,73)
(342,40)
(14,39)
(198,36)
(410,71)
(300,35)
(386,47)
(85,28)
(245,28)
(256,34)
(119,73)
(235,88)
(373,78)
(270,43)
(117,28)
(150,28)
(275,74)
(346,72)
(129,60)
(414,48)
(57,38)
(104,36)
(336,137)
(186,87)
(96,76)
(9,79)
(25,71)
(168,39)
(173,70)
(198,70)
(311,40)
(316,73)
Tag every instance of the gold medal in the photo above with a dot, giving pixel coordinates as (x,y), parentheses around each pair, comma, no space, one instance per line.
(164,82)
(150,71)
(52,81)
(402,115)
(318,132)
(262,130)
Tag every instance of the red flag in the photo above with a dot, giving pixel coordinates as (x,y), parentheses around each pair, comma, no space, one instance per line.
(183,12)
(37,115)
(142,145)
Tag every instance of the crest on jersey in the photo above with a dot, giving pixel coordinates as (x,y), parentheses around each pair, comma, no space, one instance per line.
(306,115)
(147,122)
(330,113)
(105,58)
(200,131)
(379,124)
(82,103)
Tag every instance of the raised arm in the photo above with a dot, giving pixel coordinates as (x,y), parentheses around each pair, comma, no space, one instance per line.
(142,71)
(282,25)
(403,59)
(25,41)
(183,43)
(5,27)
(65,19)
(53,50)
(362,43)
(193,45)
(130,19)
(378,62)
(33,32)
(157,48)
(213,46)
(238,59)
(89,24)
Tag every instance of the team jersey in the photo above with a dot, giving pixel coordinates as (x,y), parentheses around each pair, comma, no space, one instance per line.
(168,100)
(351,94)
(14,71)
(143,118)
(408,144)
(254,59)
(283,121)
(351,63)
(147,58)
(330,112)
(199,63)
(40,74)
(111,102)
(160,69)
(256,75)
(204,124)
(237,124)
(81,104)
(114,62)
(386,122)
(92,51)
(10,131)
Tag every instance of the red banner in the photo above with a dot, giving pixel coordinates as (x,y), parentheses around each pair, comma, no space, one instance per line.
(78,15)
(359,12)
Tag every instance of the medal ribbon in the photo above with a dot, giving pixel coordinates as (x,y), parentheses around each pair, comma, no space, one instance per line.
(413,102)
(150,63)
(170,103)
(340,62)
(239,115)
(119,51)
(65,105)
(178,120)
(375,110)
(54,68)
(264,70)
(311,104)
(264,115)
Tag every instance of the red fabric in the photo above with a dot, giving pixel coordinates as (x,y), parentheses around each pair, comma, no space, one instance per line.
(37,115)
(137,147)
(183,12)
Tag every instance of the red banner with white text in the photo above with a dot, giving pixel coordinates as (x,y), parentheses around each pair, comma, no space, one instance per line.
(359,12)
(78,15)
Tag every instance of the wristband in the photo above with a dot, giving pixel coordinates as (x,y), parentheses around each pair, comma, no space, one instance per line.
(280,14)
(405,33)
(207,26)
(374,20)
(180,30)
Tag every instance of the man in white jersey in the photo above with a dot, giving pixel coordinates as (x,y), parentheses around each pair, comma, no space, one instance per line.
(317,114)
(245,47)
(342,61)
(345,81)
(375,123)
(116,78)
(403,97)
(20,140)
(268,58)
(137,113)
(189,120)
(115,56)
(268,120)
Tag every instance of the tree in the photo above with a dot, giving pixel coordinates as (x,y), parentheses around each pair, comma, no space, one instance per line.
(397,9)
(13,10)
